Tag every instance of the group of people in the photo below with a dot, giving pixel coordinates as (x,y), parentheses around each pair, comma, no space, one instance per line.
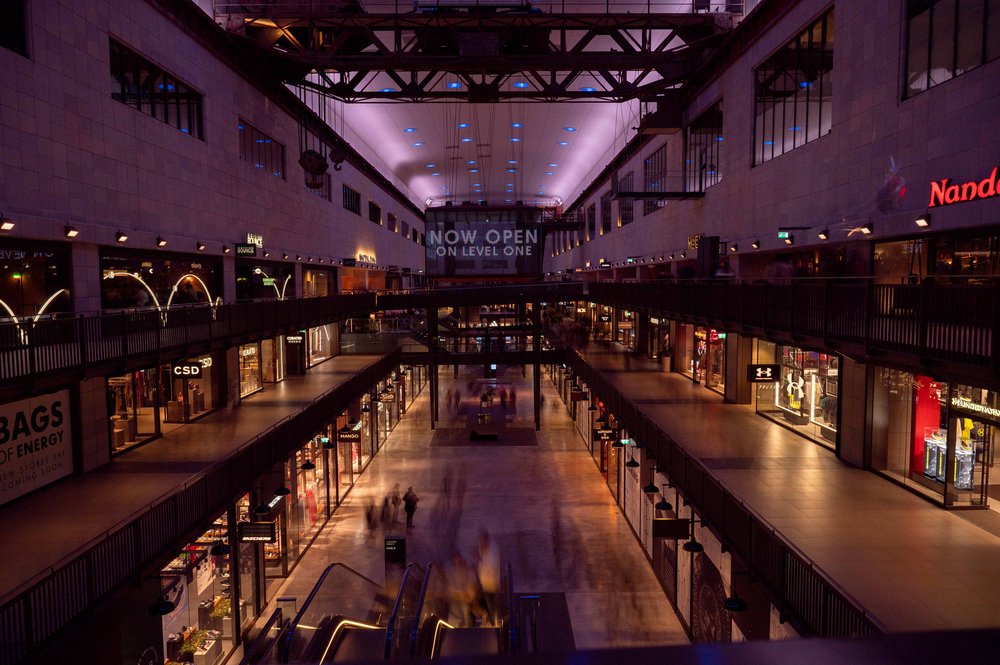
(390,510)
(474,586)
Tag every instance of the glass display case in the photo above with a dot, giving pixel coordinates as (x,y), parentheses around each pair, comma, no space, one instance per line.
(935,451)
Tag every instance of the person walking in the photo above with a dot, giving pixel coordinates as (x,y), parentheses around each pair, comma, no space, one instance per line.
(488,571)
(513,398)
(503,398)
(384,515)
(410,500)
(395,501)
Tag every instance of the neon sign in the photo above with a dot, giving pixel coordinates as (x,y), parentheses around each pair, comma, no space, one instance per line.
(945,193)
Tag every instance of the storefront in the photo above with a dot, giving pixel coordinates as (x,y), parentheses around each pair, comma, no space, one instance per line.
(158,279)
(625,329)
(34,277)
(701,355)
(307,508)
(602,326)
(198,582)
(318,282)
(350,437)
(323,344)
(658,342)
(251,374)
(257,279)
(272,359)
(148,402)
(806,399)
(933,437)
(388,409)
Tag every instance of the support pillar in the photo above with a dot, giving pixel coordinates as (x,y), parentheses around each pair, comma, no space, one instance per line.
(432,377)
(739,354)
(536,357)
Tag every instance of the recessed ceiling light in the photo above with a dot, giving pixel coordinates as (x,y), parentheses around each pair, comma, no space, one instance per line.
(509,184)
(552,164)
(476,185)
(387,90)
(511,170)
(548,173)
(516,125)
(454,85)
(507,200)
(466,139)
(430,166)
(72,232)
(520,84)
(471,161)
(512,161)
(418,144)
(410,130)
(569,129)
(563,142)
(463,125)
(435,173)
(473,170)
(121,236)
(588,89)
(514,139)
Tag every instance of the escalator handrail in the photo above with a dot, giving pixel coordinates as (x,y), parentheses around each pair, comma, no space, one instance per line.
(512,631)
(293,626)
(394,614)
(255,652)
(420,609)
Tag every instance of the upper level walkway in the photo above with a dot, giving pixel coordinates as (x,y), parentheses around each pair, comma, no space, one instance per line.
(908,563)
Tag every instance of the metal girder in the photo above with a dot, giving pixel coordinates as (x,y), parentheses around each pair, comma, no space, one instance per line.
(627,55)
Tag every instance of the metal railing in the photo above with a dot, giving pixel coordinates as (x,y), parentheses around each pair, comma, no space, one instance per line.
(39,607)
(797,586)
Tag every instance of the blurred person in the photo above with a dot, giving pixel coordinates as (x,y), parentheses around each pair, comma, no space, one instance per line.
(488,572)
(410,500)
(395,501)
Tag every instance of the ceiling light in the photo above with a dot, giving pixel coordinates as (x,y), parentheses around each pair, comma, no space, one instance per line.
(790,239)
(683,255)
(923,221)
(466,139)
(512,161)
(454,85)
(569,129)
(418,144)
(266,253)
(553,165)
(160,242)
(562,142)
(284,256)
(387,90)
(471,161)
(161,607)
(735,603)
(121,236)
(473,170)
(511,170)
(671,256)
(693,546)
(824,234)
(735,247)
(435,174)
(71,232)
(463,125)
(430,166)
(298,257)
(200,245)
(410,130)
(520,84)
(755,244)
(514,139)
(588,89)
(516,125)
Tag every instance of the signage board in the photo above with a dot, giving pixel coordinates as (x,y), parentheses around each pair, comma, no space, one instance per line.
(246,249)
(784,235)
(671,528)
(605,434)
(624,325)
(387,397)
(294,339)
(395,552)
(351,435)
(579,396)
(257,532)
(349,263)
(188,370)
(944,192)
(693,242)
(605,318)
(763,373)
(268,281)
(35,447)
(255,239)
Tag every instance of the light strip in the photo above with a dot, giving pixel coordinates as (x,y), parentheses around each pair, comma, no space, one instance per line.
(342,624)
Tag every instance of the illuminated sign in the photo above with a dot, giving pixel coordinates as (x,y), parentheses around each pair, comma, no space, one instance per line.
(763,373)
(254,239)
(190,370)
(35,445)
(246,249)
(366,258)
(268,281)
(975,407)
(351,435)
(350,263)
(293,339)
(257,532)
(945,193)
(493,242)
(784,235)
(693,242)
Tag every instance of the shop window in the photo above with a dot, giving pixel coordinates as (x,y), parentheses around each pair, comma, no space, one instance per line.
(704,143)
(374,213)
(251,377)
(14,26)
(185,397)
(322,344)
(794,91)
(198,581)
(352,200)
(626,206)
(272,358)
(317,283)
(34,278)
(946,38)
(264,280)
(157,279)
(132,403)
(145,87)
(807,396)
(605,213)
(654,177)
(307,507)
(261,150)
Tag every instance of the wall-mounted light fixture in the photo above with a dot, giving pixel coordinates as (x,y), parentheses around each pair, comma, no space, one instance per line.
(161,242)
(121,236)
(71,231)
(923,221)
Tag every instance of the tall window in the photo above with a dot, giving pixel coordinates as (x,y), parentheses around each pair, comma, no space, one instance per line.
(794,91)
(704,139)
(591,221)
(404,229)
(390,222)
(13,26)
(654,176)
(946,38)
(264,152)
(626,207)
(606,213)
(352,200)
(374,213)
(147,88)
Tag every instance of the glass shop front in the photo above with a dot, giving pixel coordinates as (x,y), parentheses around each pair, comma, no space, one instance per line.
(146,403)
(34,278)
(251,374)
(806,399)
(935,438)
(158,279)
(701,355)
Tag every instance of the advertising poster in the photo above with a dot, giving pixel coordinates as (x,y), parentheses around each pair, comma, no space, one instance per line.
(35,447)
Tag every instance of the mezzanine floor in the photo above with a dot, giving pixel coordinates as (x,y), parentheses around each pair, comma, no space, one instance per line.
(54,522)
(912,565)
(538,494)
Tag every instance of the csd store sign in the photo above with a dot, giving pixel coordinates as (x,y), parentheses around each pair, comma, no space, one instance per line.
(35,447)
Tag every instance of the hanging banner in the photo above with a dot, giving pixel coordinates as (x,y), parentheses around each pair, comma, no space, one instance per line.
(35,447)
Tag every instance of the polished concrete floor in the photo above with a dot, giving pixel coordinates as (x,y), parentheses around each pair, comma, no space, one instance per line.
(538,494)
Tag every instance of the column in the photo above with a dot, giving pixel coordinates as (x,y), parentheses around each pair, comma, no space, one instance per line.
(739,354)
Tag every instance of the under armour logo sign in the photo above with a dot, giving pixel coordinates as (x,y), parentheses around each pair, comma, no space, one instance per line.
(763,372)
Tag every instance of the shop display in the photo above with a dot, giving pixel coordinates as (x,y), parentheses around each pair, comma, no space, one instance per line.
(251,378)
(935,449)
(807,394)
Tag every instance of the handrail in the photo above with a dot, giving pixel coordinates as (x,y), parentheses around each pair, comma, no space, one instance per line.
(255,652)
(396,606)
(418,610)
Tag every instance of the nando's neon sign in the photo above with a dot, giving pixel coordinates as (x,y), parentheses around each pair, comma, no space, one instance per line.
(943,192)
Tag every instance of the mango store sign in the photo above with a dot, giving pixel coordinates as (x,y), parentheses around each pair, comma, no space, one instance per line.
(35,445)
(494,242)
(944,192)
